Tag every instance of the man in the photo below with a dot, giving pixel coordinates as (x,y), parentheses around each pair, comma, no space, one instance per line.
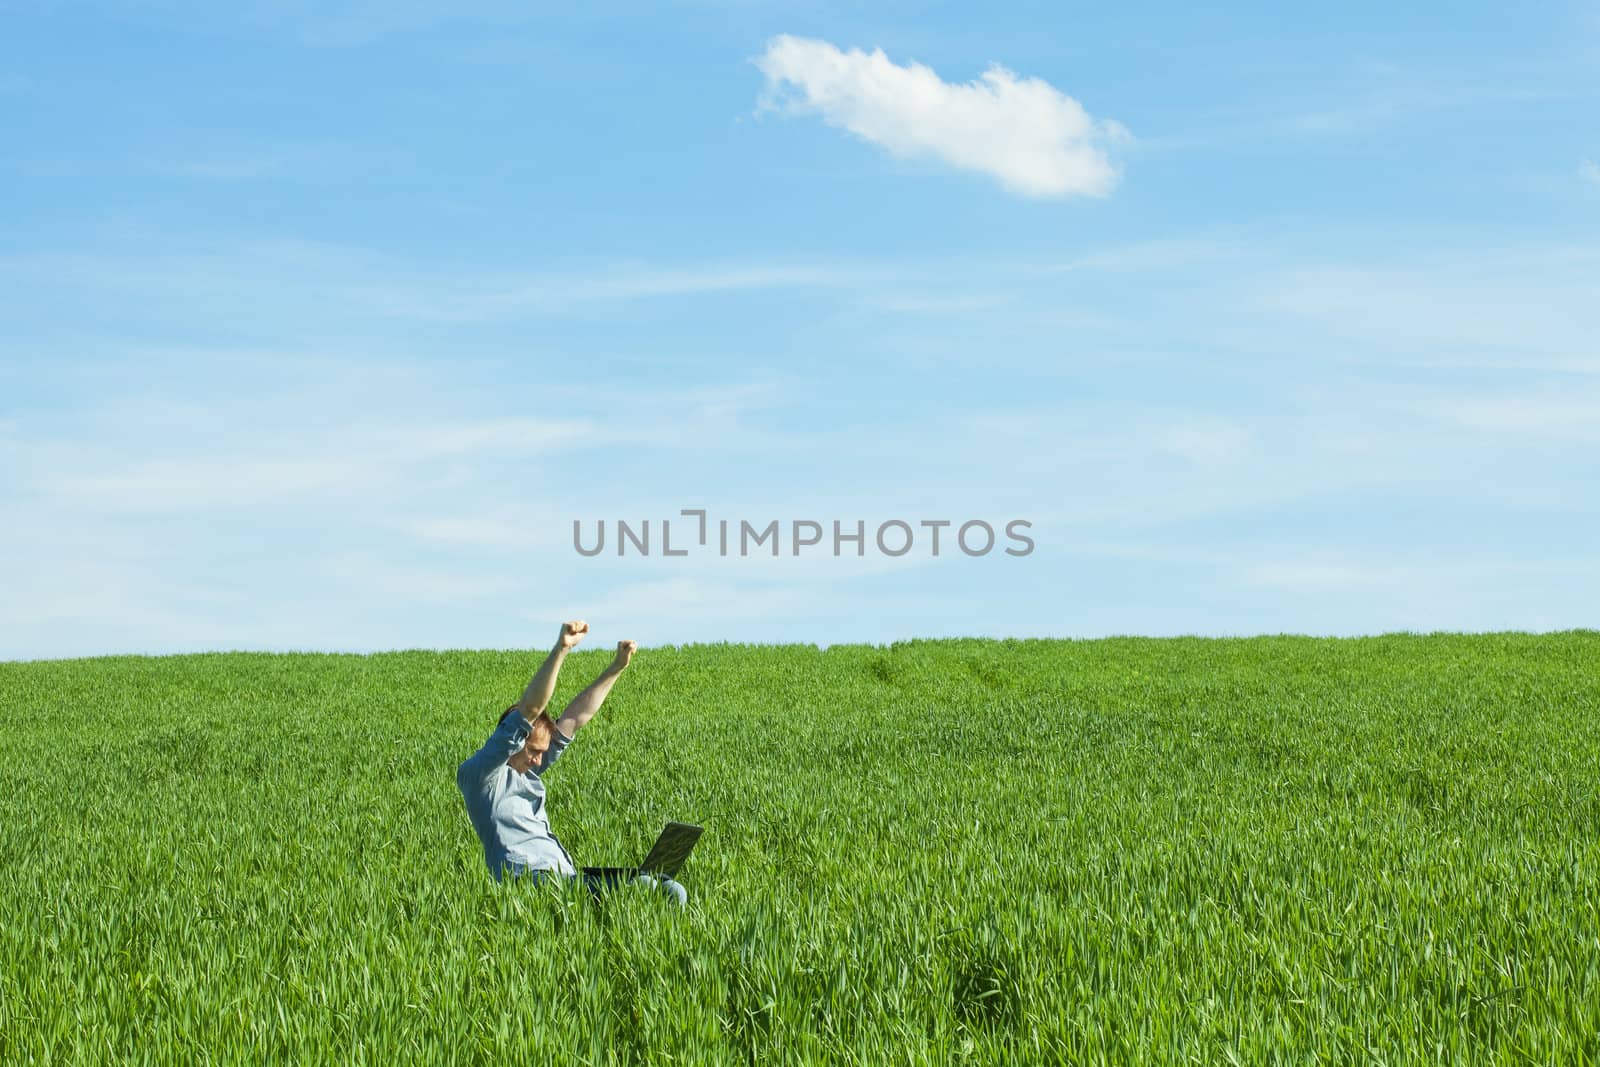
(503,782)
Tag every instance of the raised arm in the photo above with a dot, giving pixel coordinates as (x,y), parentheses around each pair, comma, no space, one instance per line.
(586,703)
(511,733)
(543,684)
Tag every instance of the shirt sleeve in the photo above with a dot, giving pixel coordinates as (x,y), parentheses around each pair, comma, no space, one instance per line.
(558,744)
(501,746)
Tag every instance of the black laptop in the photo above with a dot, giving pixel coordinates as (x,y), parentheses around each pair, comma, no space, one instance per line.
(667,855)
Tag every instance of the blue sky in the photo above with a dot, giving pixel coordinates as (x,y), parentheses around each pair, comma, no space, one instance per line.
(320,324)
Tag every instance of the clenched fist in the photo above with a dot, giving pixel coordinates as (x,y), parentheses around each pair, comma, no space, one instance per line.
(625,651)
(572,632)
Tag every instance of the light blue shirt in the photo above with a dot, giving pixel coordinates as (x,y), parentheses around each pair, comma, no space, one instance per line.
(507,807)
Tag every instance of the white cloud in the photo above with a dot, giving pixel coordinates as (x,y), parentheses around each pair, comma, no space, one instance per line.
(1590,172)
(1034,139)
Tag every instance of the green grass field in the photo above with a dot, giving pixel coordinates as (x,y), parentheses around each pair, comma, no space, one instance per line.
(1381,850)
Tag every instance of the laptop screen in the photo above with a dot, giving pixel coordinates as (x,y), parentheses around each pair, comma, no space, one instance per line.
(671,849)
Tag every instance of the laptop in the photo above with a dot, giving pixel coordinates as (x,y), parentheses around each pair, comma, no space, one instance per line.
(665,857)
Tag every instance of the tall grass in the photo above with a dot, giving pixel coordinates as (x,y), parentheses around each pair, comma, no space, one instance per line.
(1377,850)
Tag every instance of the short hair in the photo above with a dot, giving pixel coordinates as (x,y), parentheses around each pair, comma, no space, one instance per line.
(545,715)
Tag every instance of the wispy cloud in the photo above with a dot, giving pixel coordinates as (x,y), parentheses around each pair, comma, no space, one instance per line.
(1569,416)
(1589,171)
(1318,577)
(313,283)
(183,503)
(550,292)
(407,581)
(506,528)
(1407,575)
(363,456)
(213,480)
(1381,107)
(1140,257)
(258,163)
(213,483)
(1025,133)
(912,303)
(343,25)
(1206,440)
(1528,305)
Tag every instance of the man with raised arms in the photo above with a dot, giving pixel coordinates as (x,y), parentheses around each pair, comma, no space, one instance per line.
(503,782)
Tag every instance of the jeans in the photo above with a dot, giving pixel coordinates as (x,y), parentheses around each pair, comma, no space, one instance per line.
(602,879)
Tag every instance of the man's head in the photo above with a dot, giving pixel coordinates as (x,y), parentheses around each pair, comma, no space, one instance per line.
(538,739)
